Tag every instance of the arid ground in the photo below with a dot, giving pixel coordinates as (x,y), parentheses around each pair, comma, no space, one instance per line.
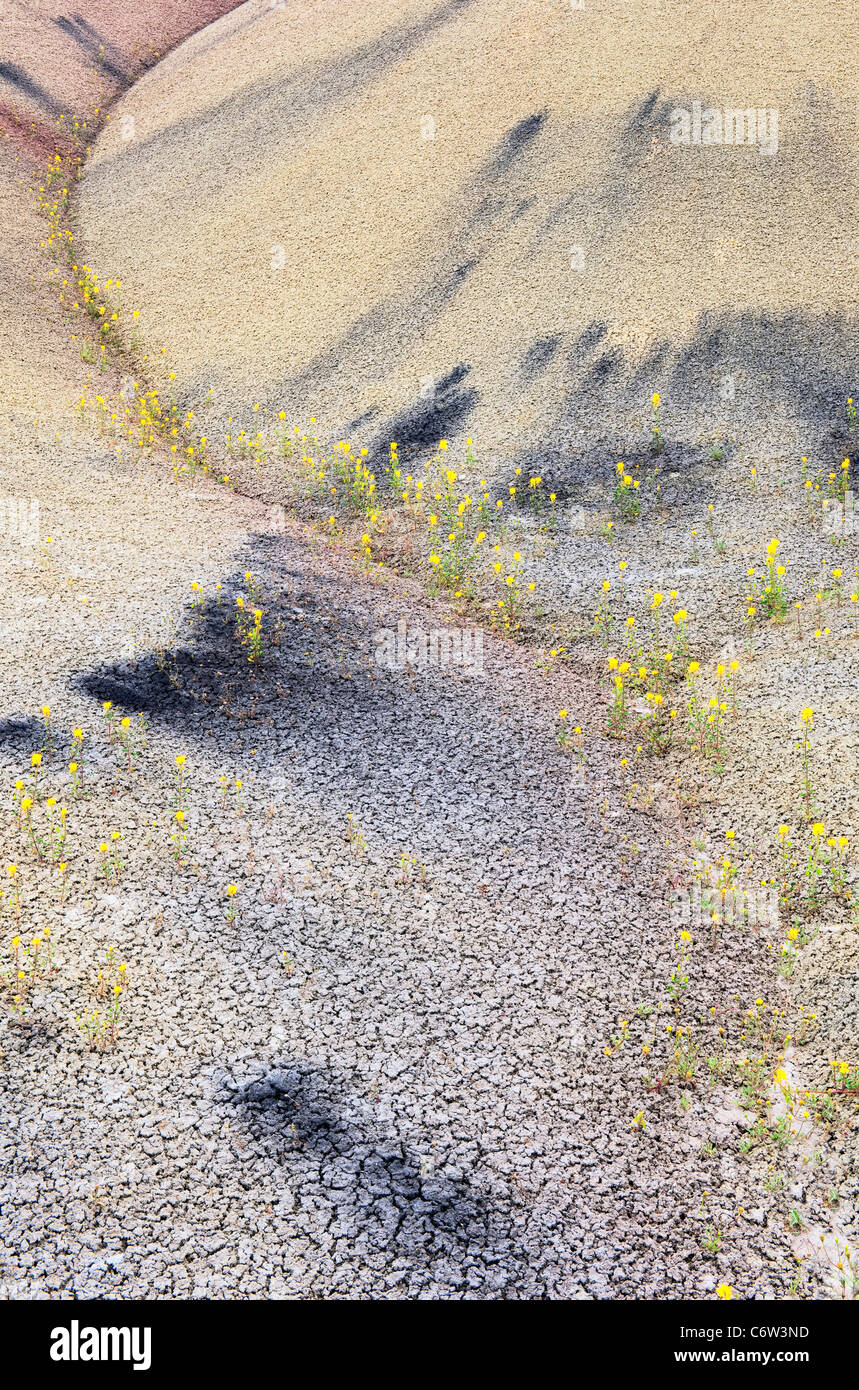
(428,737)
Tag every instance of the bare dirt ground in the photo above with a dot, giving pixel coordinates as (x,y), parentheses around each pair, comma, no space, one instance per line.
(466,1027)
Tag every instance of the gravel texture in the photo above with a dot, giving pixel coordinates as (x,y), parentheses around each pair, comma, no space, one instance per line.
(404,287)
(417,1104)
(397,1071)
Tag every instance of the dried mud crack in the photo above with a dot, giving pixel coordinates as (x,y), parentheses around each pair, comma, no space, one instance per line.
(347,840)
